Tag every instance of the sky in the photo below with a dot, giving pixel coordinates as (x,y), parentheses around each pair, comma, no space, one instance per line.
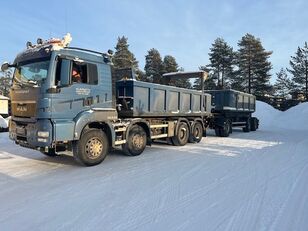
(183,29)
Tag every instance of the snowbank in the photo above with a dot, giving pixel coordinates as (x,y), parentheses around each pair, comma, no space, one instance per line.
(296,118)
(266,114)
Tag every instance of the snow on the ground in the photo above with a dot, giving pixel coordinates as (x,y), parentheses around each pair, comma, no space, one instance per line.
(248,181)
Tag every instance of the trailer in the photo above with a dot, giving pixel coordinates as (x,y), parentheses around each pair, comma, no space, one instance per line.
(65,99)
(230,109)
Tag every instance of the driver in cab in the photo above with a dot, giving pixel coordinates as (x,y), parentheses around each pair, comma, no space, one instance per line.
(76,75)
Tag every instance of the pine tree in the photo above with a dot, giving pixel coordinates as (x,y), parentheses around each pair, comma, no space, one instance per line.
(253,73)
(222,58)
(209,83)
(123,57)
(5,82)
(154,66)
(141,76)
(283,84)
(170,65)
(299,69)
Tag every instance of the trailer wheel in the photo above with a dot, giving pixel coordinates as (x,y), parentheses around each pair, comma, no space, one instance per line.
(217,131)
(182,135)
(136,142)
(197,133)
(254,123)
(227,129)
(51,152)
(247,128)
(92,147)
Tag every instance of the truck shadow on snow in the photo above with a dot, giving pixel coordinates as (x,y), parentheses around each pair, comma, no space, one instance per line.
(234,146)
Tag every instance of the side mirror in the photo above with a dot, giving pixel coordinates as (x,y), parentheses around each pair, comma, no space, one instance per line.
(5,66)
(110,52)
(65,76)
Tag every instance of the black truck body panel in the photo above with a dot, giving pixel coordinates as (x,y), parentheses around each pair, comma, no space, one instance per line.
(233,101)
(231,106)
(142,99)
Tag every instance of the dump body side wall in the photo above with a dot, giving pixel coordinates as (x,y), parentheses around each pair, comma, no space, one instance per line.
(141,99)
(230,100)
(231,105)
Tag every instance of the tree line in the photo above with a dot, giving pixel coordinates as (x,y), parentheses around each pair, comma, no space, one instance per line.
(246,69)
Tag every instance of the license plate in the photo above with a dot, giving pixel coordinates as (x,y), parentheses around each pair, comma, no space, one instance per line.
(21,131)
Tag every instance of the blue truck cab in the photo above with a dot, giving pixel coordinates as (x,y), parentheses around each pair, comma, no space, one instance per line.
(49,106)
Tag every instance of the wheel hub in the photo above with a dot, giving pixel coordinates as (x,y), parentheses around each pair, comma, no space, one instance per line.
(182,133)
(197,132)
(138,141)
(94,148)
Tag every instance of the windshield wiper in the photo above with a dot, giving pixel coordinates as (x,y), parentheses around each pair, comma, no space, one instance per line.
(24,83)
(34,82)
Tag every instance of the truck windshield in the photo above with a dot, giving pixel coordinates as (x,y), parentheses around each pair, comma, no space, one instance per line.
(31,73)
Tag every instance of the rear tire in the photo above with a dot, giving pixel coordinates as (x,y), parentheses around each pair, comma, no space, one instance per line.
(197,133)
(226,130)
(254,123)
(92,147)
(136,142)
(247,128)
(182,135)
(217,131)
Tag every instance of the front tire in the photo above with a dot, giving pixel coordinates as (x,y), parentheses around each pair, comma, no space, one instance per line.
(136,142)
(92,147)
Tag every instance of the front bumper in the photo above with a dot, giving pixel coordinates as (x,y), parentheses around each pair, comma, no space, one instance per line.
(26,133)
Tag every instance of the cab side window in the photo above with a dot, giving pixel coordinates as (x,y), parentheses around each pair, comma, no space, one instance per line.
(79,73)
(84,73)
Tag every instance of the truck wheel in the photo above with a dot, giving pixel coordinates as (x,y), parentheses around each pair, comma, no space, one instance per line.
(182,135)
(217,131)
(247,128)
(136,142)
(226,130)
(254,123)
(92,147)
(197,133)
(51,152)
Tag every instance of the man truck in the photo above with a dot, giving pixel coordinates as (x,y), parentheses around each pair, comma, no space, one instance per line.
(51,112)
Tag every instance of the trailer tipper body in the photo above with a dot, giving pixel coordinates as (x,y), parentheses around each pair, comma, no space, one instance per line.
(64,99)
(230,109)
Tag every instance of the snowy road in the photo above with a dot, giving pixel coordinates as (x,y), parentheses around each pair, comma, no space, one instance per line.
(249,181)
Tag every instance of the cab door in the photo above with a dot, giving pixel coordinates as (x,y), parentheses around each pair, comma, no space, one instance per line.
(75,81)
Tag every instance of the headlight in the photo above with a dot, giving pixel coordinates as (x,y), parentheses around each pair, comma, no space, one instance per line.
(43,134)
